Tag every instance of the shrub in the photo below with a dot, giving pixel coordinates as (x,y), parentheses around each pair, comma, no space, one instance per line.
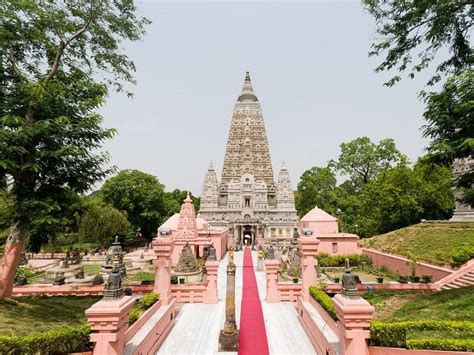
(56,341)
(426,279)
(324,300)
(148,300)
(395,334)
(133,315)
(326,260)
(441,344)
(462,256)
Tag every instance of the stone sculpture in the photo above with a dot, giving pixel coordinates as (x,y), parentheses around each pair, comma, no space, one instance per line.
(187,262)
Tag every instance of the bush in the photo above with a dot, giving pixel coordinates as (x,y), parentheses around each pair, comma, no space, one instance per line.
(426,279)
(56,341)
(133,315)
(395,334)
(441,344)
(462,256)
(148,300)
(326,260)
(324,300)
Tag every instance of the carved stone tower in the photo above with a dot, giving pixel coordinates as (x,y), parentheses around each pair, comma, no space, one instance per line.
(247,200)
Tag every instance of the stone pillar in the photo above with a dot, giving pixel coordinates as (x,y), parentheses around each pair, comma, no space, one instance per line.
(211,289)
(163,248)
(229,336)
(109,321)
(271,268)
(308,248)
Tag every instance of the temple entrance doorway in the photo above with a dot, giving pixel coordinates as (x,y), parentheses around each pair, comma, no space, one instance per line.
(247,235)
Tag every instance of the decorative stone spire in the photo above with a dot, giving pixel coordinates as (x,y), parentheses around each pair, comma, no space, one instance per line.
(187,227)
(285,196)
(247,94)
(210,191)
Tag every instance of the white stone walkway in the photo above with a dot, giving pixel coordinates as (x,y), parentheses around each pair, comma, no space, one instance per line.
(197,326)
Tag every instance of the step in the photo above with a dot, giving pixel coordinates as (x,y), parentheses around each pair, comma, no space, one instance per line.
(448,287)
(457,283)
(468,280)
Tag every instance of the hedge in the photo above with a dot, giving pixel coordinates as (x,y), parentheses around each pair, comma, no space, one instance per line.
(441,344)
(53,342)
(142,305)
(326,260)
(395,334)
(324,300)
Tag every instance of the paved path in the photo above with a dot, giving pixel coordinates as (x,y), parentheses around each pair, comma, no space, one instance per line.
(197,326)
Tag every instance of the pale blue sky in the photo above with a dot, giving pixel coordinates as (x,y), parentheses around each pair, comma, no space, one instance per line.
(310,70)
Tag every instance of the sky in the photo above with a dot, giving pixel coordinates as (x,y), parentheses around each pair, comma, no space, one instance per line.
(310,69)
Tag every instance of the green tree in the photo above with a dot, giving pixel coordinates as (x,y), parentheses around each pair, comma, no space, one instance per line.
(174,199)
(419,29)
(316,188)
(49,127)
(101,223)
(450,125)
(140,195)
(362,159)
(410,33)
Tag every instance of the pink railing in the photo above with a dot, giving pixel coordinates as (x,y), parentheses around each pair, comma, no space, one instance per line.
(289,292)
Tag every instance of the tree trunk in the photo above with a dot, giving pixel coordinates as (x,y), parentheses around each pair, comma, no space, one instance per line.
(11,259)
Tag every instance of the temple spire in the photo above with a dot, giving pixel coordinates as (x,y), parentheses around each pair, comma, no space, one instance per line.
(247,94)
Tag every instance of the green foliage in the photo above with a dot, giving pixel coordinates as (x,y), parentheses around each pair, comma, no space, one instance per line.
(435,242)
(450,126)
(418,29)
(174,199)
(395,334)
(326,260)
(441,344)
(316,188)
(140,195)
(363,160)
(101,223)
(133,316)
(324,300)
(462,255)
(148,300)
(50,130)
(64,340)
(142,305)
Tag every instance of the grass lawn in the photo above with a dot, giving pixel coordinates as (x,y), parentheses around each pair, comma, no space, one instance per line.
(39,314)
(92,269)
(434,242)
(142,276)
(390,306)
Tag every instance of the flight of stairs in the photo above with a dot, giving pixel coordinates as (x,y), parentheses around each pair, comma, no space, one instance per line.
(462,281)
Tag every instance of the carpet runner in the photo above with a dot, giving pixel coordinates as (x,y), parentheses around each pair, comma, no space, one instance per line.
(253,336)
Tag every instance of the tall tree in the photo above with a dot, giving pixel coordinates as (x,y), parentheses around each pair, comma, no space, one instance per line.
(49,127)
(316,188)
(140,195)
(174,199)
(362,159)
(417,30)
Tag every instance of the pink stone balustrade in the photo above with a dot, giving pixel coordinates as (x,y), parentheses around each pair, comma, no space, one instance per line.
(308,248)
(379,350)
(163,248)
(271,270)
(402,266)
(325,315)
(336,288)
(315,335)
(288,292)
(109,322)
(157,334)
(210,295)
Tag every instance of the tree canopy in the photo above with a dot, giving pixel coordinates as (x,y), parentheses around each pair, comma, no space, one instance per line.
(138,194)
(410,34)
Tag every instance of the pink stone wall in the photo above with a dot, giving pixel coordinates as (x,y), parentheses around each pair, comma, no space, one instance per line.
(346,244)
(402,266)
(289,292)
(321,227)
(378,350)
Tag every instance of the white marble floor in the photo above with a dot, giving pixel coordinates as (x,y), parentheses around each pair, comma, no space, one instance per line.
(197,326)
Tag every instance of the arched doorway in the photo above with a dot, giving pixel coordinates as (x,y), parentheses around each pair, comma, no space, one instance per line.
(247,235)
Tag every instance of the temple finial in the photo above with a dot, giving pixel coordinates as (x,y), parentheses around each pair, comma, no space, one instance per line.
(247,94)
(211,167)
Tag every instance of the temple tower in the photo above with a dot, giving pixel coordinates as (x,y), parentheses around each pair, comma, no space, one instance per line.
(247,200)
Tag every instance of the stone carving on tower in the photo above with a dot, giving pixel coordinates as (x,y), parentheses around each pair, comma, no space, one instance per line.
(247,200)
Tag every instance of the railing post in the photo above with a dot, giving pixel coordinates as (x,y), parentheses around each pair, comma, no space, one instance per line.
(163,248)
(211,287)
(308,247)
(271,270)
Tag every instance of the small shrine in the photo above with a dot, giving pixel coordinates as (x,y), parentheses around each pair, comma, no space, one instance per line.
(114,252)
(187,269)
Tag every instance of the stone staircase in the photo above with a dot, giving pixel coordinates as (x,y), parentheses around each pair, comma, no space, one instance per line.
(461,278)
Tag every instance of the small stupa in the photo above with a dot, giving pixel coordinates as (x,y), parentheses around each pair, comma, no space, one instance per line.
(187,262)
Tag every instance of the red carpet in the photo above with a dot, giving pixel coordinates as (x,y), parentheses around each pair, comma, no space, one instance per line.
(253,337)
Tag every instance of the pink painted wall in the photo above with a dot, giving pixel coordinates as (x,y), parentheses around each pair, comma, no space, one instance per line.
(402,266)
(323,227)
(346,243)
(378,350)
